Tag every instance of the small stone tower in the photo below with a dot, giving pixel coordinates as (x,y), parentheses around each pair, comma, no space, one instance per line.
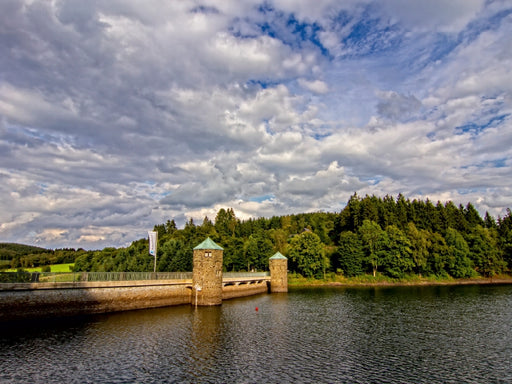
(278,273)
(207,274)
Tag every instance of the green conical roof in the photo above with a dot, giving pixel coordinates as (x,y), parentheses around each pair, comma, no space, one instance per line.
(278,255)
(208,244)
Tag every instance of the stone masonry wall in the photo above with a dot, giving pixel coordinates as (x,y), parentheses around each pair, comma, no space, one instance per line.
(278,275)
(207,275)
(241,290)
(80,299)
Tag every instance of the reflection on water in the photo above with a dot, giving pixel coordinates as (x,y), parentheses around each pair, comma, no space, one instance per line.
(320,335)
(205,341)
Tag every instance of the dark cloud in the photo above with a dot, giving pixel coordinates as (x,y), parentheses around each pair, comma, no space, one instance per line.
(395,106)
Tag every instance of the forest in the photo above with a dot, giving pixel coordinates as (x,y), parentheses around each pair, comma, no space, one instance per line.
(393,237)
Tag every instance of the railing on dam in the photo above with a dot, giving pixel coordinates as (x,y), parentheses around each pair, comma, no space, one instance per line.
(130,276)
(58,277)
(227,275)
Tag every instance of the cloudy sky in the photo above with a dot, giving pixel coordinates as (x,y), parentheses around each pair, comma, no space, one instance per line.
(117,115)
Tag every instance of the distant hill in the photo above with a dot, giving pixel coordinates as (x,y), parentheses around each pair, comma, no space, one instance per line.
(10,250)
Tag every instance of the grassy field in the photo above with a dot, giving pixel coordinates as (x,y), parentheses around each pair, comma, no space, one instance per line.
(54,268)
(380,280)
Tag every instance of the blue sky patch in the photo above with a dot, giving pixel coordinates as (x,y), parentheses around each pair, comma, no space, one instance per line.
(290,30)
(497,163)
(259,199)
(476,129)
(370,37)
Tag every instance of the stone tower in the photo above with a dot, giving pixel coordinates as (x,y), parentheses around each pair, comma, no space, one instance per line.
(278,273)
(207,274)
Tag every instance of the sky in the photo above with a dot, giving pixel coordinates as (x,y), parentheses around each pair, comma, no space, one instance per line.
(117,115)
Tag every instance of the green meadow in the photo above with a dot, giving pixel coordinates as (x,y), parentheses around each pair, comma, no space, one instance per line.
(53,268)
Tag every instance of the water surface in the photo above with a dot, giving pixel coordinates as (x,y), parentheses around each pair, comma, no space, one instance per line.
(455,334)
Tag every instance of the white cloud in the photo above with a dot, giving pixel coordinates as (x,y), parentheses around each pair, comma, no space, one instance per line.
(29,107)
(316,86)
(262,55)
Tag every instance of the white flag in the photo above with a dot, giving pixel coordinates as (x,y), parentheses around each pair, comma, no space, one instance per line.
(152,242)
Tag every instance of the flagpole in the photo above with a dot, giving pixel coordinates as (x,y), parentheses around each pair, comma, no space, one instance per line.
(156,245)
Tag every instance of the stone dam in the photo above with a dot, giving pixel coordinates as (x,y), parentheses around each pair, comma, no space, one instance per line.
(207,286)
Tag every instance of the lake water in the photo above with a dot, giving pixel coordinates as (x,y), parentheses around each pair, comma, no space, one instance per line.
(445,334)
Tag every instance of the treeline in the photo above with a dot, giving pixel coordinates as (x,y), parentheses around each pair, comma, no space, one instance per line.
(247,244)
(13,255)
(11,250)
(393,237)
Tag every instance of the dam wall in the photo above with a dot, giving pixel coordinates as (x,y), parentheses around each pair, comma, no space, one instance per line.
(231,291)
(206,286)
(44,300)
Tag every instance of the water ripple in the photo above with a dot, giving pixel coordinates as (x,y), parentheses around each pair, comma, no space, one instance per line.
(321,335)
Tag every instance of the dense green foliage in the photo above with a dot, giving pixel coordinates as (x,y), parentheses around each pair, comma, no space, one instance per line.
(371,235)
(247,244)
(401,237)
(307,254)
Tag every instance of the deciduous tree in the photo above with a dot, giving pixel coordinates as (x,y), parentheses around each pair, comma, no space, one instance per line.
(373,239)
(307,254)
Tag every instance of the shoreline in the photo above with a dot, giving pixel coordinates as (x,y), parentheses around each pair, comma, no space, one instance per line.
(415,283)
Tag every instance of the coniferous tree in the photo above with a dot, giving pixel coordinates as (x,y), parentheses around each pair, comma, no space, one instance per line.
(401,212)
(489,221)
(472,217)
